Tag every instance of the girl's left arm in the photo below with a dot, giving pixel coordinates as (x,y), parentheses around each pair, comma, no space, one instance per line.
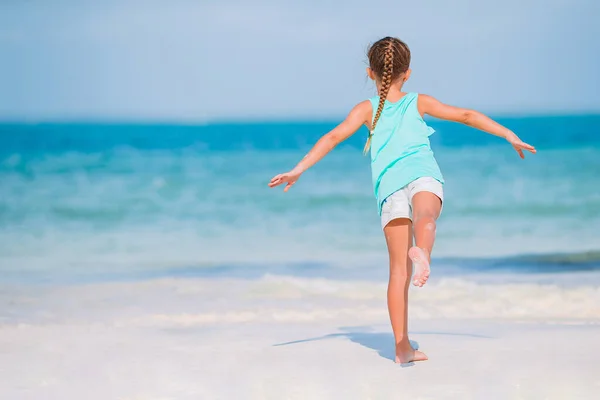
(435,108)
(358,116)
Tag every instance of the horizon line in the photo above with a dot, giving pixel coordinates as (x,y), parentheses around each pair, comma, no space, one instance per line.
(257,120)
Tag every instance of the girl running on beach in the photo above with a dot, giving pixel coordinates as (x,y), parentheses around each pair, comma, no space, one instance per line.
(407,181)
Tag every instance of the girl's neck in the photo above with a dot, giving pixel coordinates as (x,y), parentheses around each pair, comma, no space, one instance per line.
(395,93)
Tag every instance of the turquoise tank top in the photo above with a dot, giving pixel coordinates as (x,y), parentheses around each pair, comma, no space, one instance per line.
(400,148)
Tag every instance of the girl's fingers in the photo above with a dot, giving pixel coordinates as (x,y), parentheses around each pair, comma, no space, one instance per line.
(526,146)
(519,151)
(275,178)
(278,180)
(531,149)
(520,146)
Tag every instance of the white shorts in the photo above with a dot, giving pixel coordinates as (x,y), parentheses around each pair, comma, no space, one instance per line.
(399,204)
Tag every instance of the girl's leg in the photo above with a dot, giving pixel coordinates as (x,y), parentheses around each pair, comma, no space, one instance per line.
(426,208)
(398,237)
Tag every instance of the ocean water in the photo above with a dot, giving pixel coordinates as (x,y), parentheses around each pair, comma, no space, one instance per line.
(111,202)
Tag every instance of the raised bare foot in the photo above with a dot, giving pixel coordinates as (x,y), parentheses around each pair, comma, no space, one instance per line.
(421,263)
(406,354)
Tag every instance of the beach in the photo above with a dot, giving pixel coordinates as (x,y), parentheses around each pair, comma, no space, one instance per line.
(153,262)
(289,338)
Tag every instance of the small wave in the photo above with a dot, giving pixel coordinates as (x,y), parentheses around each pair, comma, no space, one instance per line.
(182,303)
(586,257)
(536,263)
(276,299)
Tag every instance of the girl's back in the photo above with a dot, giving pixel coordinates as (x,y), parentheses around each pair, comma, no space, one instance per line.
(400,148)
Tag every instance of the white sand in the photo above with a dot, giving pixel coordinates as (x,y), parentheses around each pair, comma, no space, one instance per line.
(213,339)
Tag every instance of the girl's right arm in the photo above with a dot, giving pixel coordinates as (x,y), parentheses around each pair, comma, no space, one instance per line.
(358,116)
(437,109)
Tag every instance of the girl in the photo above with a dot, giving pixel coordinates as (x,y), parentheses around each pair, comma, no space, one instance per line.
(407,180)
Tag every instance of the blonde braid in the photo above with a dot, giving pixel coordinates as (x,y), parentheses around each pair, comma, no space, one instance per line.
(386,83)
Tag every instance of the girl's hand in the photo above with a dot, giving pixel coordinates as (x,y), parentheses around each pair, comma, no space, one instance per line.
(519,145)
(289,177)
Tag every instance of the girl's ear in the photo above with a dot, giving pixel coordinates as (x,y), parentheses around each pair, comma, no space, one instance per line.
(407,75)
(370,73)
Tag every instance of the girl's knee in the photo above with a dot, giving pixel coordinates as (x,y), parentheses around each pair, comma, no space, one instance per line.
(430,225)
(425,220)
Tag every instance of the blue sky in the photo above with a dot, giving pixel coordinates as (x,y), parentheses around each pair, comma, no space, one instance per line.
(197,60)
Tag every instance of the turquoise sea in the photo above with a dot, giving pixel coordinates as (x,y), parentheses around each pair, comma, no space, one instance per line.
(85,202)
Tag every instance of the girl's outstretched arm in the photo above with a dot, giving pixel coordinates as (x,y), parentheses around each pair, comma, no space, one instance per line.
(435,108)
(357,117)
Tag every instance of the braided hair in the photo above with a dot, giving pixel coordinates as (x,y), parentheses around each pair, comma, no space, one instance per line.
(388,59)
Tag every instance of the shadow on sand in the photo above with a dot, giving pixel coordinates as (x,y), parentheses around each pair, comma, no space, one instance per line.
(381,342)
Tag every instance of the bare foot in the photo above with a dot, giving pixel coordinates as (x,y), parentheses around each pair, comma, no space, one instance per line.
(406,354)
(421,264)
